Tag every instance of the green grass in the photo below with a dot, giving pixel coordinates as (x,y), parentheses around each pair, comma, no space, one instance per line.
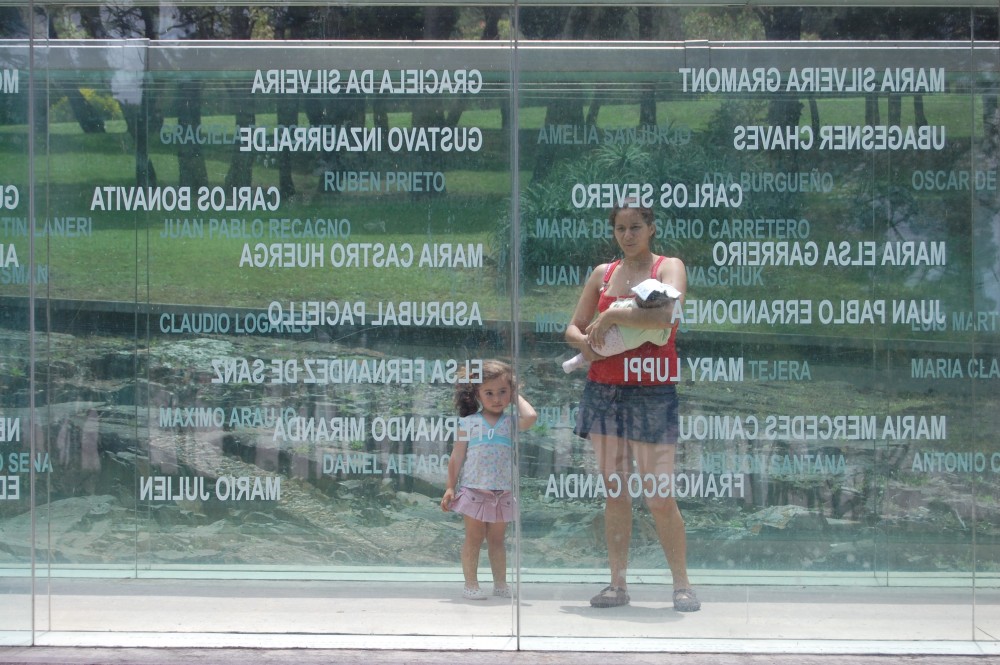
(206,270)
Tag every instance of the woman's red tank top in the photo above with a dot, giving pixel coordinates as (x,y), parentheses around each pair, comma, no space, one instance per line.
(645,365)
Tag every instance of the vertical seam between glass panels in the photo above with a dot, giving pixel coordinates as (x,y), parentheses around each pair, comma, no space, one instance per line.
(32,417)
(142,394)
(515,287)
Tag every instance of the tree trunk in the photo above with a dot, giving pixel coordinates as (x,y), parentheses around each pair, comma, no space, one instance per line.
(814,115)
(240,173)
(895,109)
(783,24)
(439,22)
(288,115)
(991,126)
(137,123)
(190,158)
(289,24)
(919,116)
(561,112)
(872,113)
(86,116)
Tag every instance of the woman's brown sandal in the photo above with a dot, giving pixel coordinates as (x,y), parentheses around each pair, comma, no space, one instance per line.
(685,600)
(610,596)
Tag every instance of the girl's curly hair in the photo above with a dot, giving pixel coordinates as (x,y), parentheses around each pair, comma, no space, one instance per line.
(467,394)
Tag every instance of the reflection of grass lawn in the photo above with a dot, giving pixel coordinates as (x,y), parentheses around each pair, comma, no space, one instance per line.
(203,271)
(206,270)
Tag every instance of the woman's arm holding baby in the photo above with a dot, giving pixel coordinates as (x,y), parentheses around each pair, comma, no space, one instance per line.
(576,332)
(671,272)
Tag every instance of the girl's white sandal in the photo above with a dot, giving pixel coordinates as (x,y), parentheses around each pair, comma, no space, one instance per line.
(476,593)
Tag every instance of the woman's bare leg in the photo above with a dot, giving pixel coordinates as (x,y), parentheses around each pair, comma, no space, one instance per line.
(658,459)
(614,461)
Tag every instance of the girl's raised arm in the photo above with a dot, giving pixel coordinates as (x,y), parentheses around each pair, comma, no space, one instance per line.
(526,415)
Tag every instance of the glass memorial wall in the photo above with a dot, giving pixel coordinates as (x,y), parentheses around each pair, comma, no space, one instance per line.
(249,252)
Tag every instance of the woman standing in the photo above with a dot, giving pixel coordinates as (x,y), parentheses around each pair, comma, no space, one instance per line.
(629,405)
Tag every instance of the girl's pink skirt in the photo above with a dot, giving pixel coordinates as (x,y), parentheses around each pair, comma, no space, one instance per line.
(485,505)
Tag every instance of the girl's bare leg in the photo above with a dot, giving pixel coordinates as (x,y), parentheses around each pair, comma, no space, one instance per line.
(475,533)
(497,549)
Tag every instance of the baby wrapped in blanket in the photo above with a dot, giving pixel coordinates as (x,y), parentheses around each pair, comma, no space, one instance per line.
(648,294)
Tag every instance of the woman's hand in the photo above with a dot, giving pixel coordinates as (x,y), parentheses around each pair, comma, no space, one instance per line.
(597,330)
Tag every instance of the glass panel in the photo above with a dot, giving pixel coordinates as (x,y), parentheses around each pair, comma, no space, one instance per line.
(88,393)
(17,264)
(978,325)
(826,288)
(305,238)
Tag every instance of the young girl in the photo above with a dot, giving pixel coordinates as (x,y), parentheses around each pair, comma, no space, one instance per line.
(483,456)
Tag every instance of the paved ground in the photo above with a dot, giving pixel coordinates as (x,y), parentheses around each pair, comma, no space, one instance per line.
(78,656)
(246,622)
